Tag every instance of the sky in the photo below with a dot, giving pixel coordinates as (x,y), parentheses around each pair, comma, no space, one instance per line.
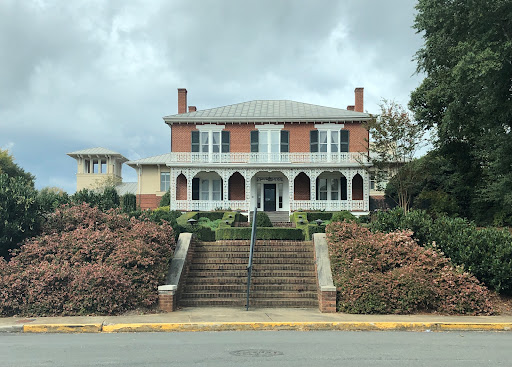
(83,74)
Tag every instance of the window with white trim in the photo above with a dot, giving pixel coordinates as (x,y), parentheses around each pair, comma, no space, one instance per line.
(210,139)
(165,181)
(211,190)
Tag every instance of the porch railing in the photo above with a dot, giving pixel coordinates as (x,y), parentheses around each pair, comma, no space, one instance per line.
(239,157)
(206,205)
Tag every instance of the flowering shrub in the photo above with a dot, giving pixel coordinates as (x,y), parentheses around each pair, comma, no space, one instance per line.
(486,253)
(391,273)
(87,262)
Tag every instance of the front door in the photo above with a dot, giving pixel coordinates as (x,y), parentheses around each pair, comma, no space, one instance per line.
(269,197)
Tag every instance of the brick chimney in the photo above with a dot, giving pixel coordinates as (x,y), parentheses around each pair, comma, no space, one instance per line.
(182,100)
(359,105)
(350,108)
(192,108)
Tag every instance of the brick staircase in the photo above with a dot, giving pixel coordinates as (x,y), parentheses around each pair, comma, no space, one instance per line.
(283,275)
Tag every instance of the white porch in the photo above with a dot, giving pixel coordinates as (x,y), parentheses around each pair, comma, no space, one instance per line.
(281,189)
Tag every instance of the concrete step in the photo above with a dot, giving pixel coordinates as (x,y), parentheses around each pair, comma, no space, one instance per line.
(254,280)
(240,302)
(270,260)
(260,267)
(256,255)
(255,274)
(259,249)
(235,288)
(253,295)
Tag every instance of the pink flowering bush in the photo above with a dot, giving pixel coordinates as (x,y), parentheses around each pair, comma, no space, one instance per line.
(87,262)
(390,273)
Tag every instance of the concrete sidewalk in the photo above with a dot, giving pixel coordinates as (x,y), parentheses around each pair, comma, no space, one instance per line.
(221,319)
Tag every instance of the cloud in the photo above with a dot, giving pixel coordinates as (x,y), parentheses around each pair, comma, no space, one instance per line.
(92,73)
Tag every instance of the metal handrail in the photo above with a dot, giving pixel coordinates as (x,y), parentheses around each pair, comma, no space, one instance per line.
(251,254)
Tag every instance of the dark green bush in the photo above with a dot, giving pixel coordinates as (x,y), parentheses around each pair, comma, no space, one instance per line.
(312,216)
(239,217)
(50,198)
(165,200)
(264,233)
(344,216)
(109,199)
(210,215)
(129,203)
(262,220)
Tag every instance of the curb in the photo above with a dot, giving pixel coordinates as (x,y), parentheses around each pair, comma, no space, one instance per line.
(248,326)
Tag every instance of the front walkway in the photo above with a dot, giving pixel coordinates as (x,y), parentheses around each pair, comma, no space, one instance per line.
(222,318)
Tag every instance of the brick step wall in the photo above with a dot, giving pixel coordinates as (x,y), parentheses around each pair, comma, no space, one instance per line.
(257,255)
(254,280)
(259,249)
(254,287)
(243,267)
(240,302)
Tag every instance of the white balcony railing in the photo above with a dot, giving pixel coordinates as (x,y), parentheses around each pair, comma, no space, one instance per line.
(188,157)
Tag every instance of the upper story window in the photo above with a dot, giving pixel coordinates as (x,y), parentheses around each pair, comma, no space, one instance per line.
(210,139)
(270,139)
(329,138)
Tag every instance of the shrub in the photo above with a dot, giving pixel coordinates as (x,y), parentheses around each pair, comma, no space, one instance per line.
(165,200)
(50,198)
(344,216)
(391,273)
(312,216)
(19,217)
(262,220)
(244,233)
(87,262)
(109,199)
(129,203)
(486,253)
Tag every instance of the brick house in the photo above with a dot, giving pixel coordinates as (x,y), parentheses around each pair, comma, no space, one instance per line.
(278,155)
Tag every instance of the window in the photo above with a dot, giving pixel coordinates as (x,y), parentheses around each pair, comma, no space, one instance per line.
(270,139)
(332,188)
(165,181)
(211,190)
(329,138)
(210,139)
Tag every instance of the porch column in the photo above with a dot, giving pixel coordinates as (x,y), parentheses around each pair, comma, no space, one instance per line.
(313,175)
(349,174)
(366,190)
(225,174)
(189,176)
(173,184)
(290,175)
(248,174)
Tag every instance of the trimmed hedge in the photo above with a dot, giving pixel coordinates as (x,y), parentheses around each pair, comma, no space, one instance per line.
(262,220)
(210,215)
(312,216)
(263,233)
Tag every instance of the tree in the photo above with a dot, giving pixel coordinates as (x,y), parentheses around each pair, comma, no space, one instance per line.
(396,138)
(10,168)
(50,198)
(466,94)
(19,217)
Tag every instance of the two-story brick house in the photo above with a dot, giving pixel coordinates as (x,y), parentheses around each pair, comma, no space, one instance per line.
(278,155)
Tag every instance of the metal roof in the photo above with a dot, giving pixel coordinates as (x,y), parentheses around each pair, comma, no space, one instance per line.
(268,110)
(94,151)
(126,188)
(157,159)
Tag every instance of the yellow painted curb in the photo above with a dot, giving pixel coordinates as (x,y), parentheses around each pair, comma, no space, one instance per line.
(305,326)
(62,328)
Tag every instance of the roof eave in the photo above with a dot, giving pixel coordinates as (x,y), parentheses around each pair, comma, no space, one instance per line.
(171,121)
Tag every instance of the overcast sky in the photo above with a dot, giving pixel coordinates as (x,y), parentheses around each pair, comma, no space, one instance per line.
(82,74)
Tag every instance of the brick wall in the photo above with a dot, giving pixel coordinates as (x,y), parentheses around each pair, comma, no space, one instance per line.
(301,187)
(236,187)
(240,137)
(181,187)
(148,201)
(357,188)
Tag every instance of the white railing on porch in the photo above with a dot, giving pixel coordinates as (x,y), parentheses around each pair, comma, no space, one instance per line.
(206,205)
(328,205)
(188,157)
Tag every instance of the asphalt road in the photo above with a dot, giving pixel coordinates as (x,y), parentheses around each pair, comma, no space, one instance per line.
(265,348)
